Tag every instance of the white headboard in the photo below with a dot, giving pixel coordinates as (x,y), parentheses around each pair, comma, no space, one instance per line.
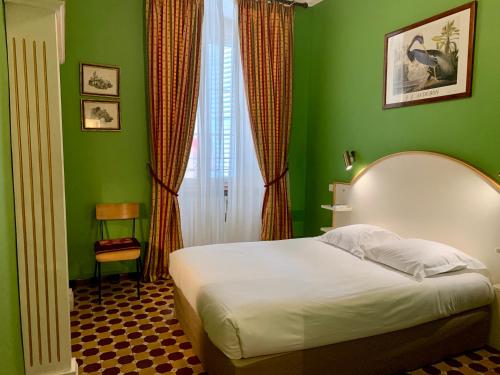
(431,196)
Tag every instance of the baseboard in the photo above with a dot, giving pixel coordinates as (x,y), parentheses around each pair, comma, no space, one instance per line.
(90,281)
(71,299)
(74,368)
(72,371)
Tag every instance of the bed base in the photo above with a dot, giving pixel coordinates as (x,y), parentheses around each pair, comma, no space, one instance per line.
(389,353)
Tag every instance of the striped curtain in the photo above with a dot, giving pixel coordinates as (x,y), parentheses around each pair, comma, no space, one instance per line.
(174,35)
(266,37)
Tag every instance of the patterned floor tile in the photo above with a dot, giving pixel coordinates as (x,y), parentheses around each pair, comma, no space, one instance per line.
(128,336)
(125,336)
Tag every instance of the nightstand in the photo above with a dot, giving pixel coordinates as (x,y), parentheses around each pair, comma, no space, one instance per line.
(339,207)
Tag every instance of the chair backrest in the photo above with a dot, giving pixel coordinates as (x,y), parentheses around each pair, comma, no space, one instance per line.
(116,211)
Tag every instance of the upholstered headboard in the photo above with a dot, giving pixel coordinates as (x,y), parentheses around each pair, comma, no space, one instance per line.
(431,196)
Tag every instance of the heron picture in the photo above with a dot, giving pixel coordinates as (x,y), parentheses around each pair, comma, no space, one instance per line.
(430,60)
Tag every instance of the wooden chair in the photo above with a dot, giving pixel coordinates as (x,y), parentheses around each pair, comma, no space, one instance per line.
(117,249)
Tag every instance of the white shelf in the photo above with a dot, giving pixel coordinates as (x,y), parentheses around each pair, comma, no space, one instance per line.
(326,229)
(337,207)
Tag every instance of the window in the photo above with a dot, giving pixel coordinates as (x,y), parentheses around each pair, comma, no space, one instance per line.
(227,102)
(227,93)
(221,196)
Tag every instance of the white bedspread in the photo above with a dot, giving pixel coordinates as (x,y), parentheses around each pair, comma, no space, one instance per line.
(270,297)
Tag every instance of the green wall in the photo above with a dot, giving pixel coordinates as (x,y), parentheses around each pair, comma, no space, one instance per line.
(11,351)
(298,137)
(100,166)
(343,45)
(338,64)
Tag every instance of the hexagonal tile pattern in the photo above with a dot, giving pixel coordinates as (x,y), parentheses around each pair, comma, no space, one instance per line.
(126,336)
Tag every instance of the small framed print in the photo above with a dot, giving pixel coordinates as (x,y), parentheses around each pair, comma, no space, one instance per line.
(100,80)
(430,60)
(100,115)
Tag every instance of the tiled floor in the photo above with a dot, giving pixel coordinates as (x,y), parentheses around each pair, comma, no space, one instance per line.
(125,336)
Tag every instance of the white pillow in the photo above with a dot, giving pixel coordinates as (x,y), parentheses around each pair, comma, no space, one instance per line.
(358,237)
(421,258)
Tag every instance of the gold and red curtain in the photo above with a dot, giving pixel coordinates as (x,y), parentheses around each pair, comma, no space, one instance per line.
(266,38)
(173,36)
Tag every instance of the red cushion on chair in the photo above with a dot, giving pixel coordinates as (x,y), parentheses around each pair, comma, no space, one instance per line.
(117,244)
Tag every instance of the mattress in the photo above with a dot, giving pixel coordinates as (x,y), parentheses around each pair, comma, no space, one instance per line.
(259,298)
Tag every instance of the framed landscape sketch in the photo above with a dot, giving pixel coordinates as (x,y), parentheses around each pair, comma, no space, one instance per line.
(431,60)
(101,80)
(100,115)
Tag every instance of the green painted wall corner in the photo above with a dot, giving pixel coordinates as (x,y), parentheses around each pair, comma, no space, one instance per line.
(104,166)
(344,107)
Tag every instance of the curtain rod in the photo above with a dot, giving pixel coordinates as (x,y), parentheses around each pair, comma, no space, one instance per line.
(291,3)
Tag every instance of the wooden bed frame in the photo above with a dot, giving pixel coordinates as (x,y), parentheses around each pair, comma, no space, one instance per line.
(415,194)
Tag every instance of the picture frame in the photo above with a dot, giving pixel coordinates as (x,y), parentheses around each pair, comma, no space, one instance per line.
(100,115)
(99,80)
(431,60)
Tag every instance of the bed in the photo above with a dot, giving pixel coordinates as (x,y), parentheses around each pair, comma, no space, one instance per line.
(302,306)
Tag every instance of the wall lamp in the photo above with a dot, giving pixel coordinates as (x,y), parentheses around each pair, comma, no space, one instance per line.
(349,159)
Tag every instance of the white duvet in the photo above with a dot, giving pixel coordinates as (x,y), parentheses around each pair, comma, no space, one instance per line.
(259,298)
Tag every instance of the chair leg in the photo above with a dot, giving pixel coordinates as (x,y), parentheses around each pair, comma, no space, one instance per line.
(95,273)
(138,274)
(99,280)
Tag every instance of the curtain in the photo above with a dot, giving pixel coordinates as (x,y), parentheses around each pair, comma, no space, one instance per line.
(173,35)
(266,36)
(222,191)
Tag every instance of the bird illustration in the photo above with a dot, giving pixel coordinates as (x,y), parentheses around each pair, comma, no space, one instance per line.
(439,63)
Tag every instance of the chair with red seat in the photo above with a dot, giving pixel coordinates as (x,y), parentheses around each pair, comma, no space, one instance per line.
(117,249)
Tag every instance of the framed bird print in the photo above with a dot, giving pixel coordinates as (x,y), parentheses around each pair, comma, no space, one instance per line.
(431,60)
(100,115)
(100,80)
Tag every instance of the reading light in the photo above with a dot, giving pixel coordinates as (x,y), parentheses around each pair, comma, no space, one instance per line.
(349,158)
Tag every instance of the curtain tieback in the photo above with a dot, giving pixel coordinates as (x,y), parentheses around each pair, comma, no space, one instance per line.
(159,181)
(277,178)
